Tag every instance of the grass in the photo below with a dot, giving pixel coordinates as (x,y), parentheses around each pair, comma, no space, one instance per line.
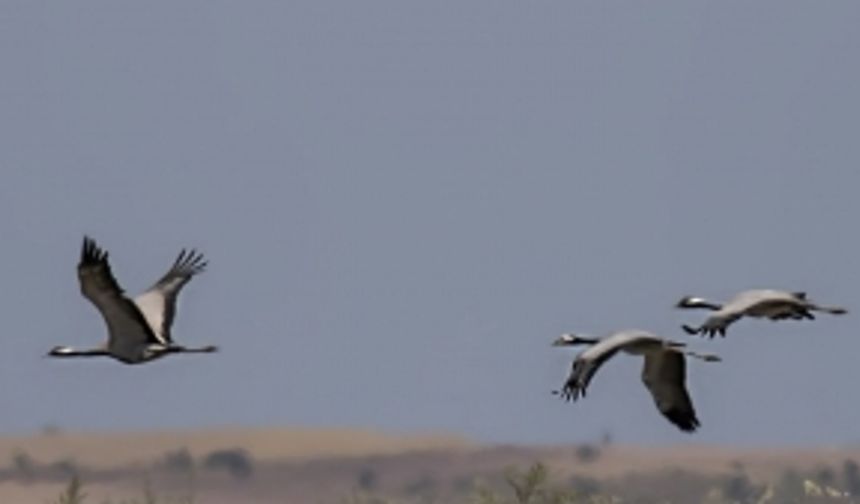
(537,485)
(73,494)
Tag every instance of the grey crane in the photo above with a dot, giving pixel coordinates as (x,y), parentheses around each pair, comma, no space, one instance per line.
(139,328)
(757,303)
(663,373)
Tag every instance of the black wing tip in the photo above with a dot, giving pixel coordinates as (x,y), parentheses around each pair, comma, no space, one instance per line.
(190,262)
(91,253)
(692,331)
(87,245)
(570,393)
(686,422)
(704,331)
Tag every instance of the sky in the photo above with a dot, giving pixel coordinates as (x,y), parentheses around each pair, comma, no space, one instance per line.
(404,203)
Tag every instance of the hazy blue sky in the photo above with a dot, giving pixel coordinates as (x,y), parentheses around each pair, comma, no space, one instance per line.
(404,203)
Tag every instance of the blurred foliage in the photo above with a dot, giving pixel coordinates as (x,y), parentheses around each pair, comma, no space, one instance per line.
(236,461)
(73,494)
(178,461)
(587,453)
(851,477)
(422,490)
(23,466)
(538,485)
(533,486)
(737,487)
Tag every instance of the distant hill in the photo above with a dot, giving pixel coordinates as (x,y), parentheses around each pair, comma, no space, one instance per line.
(106,450)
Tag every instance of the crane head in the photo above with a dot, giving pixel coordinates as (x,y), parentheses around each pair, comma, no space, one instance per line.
(569,339)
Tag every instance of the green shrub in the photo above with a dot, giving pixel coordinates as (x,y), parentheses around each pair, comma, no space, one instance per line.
(73,493)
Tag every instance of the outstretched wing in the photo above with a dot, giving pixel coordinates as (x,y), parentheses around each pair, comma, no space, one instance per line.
(582,371)
(715,324)
(158,303)
(664,374)
(126,324)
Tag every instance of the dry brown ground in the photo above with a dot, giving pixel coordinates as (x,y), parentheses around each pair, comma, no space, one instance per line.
(759,463)
(295,465)
(107,450)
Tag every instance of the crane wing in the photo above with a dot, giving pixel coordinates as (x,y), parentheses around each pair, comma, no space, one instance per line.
(158,303)
(126,324)
(582,371)
(664,374)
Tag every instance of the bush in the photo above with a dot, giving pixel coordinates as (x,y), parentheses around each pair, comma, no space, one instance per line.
(851,477)
(587,453)
(790,485)
(179,461)
(65,468)
(738,488)
(825,475)
(72,494)
(424,489)
(23,466)
(367,479)
(584,486)
(235,461)
(528,487)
